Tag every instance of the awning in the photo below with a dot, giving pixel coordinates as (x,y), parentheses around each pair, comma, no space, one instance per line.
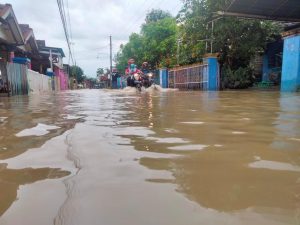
(279,10)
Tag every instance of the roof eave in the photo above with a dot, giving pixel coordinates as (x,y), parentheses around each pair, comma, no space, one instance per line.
(253,16)
(17,33)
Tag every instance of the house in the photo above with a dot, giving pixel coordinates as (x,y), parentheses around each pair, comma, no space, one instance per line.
(51,63)
(19,45)
(30,48)
(11,35)
(10,38)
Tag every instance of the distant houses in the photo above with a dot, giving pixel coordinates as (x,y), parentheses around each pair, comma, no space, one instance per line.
(21,53)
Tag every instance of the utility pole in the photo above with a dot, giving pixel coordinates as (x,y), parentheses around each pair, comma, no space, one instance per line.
(178,50)
(212,33)
(110,44)
(212,37)
(51,60)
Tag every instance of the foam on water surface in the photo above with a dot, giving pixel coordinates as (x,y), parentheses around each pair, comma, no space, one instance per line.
(273,165)
(188,147)
(38,130)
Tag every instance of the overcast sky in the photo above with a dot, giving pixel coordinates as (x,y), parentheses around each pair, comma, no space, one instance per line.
(92,21)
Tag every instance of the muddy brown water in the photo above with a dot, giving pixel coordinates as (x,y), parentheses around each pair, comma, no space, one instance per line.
(97,157)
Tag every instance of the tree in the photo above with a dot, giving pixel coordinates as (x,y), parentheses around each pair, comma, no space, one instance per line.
(157,14)
(236,40)
(133,49)
(77,73)
(192,20)
(100,71)
(160,42)
(155,44)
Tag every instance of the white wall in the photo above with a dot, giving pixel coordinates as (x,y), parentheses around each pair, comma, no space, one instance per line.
(38,83)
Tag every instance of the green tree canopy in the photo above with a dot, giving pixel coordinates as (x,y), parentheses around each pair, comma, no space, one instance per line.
(155,44)
(77,73)
(237,40)
(189,36)
(157,14)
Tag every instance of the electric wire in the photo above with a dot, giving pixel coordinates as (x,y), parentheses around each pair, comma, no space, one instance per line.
(65,26)
(70,31)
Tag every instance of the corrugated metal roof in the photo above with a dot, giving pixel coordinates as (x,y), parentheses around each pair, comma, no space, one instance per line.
(54,50)
(7,16)
(281,10)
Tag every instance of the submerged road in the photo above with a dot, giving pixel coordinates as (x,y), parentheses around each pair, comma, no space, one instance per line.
(103,157)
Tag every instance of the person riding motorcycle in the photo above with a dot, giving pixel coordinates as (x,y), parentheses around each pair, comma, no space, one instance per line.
(145,68)
(130,71)
(147,75)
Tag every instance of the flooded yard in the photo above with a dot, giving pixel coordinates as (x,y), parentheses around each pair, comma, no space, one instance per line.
(119,157)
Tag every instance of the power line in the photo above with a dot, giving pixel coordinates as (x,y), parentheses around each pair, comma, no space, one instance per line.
(70,30)
(137,19)
(64,13)
(145,11)
(70,35)
(158,3)
(65,26)
(63,17)
(69,20)
(177,6)
(95,49)
(151,5)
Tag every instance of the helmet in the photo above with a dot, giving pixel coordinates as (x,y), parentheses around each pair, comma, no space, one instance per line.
(130,61)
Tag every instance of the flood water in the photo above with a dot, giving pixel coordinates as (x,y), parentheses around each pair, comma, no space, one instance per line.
(103,157)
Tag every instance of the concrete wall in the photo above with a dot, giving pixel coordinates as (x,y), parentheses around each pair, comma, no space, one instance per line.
(38,83)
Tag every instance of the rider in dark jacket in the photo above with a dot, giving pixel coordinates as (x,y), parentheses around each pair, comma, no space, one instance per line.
(115,76)
(145,68)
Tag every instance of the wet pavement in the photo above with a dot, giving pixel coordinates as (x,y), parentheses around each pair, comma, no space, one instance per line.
(103,157)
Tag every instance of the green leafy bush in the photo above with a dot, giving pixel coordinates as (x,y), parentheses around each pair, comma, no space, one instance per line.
(238,79)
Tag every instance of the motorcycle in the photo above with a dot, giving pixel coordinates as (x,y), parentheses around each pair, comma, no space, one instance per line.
(138,81)
(148,80)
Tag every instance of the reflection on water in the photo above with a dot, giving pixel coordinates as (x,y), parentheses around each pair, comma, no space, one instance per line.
(288,123)
(230,129)
(22,112)
(212,157)
(10,180)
